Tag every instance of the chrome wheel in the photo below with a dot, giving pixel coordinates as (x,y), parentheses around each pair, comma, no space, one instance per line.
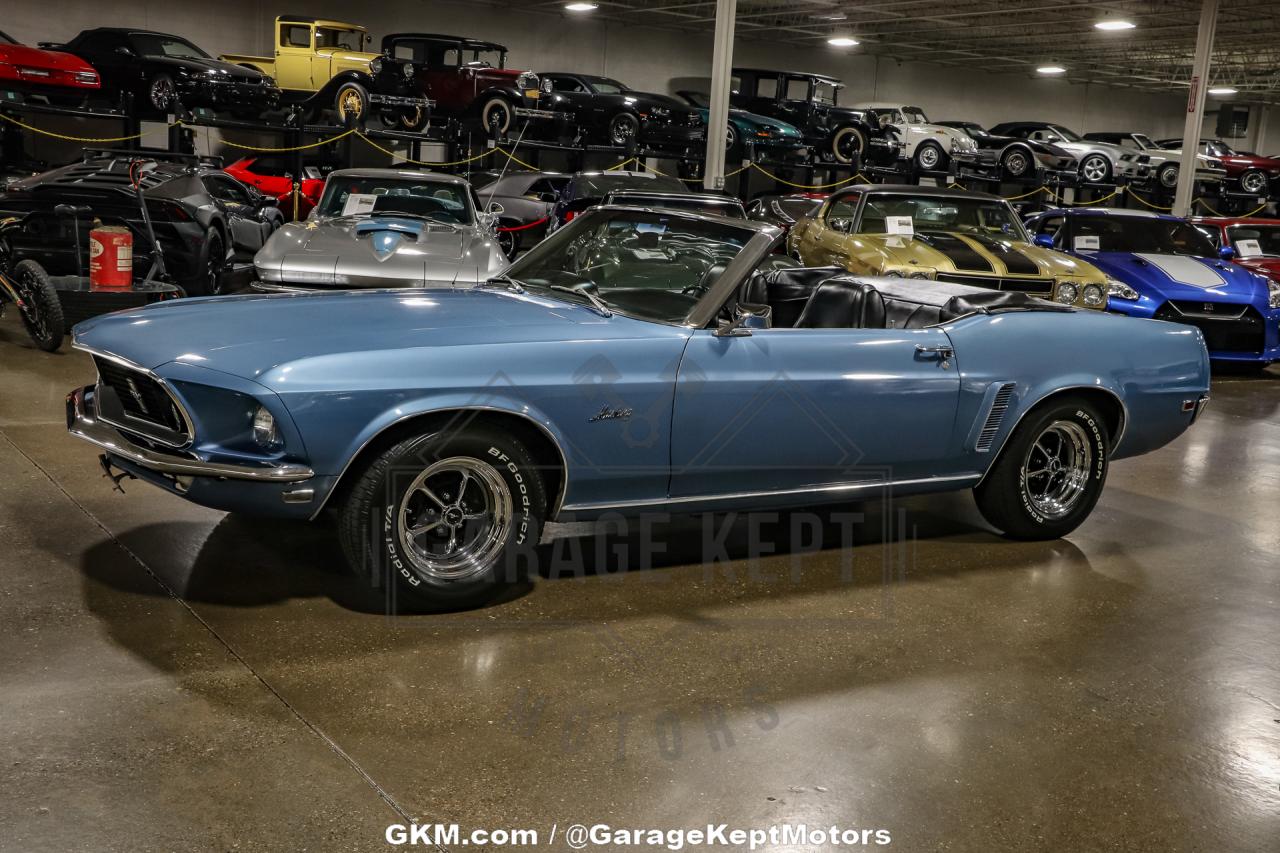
(730,137)
(1016,164)
(1095,169)
(454,519)
(928,157)
(1169,177)
(1056,469)
(1253,182)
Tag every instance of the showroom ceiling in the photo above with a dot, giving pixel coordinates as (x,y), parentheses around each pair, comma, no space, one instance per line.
(997,35)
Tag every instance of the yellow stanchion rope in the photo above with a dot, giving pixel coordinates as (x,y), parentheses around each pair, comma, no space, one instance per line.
(67,138)
(514,159)
(624,163)
(1213,212)
(391,153)
(1149,204)
(309,145)
(772,176)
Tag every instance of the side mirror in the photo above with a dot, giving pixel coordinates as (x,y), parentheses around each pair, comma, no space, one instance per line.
(744,320)
(125,51)
(1227,253)
(1044,241)
(495,209)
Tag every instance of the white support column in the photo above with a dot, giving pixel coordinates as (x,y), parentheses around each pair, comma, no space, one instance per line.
(1195,108)
(721,79)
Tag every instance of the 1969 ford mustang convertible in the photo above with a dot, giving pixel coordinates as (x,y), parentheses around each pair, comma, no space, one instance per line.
(637,360)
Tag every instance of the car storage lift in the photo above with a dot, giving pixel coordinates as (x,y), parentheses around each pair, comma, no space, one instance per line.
(464,147)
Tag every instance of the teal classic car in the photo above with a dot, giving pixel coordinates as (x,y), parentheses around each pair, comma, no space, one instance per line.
(774,136)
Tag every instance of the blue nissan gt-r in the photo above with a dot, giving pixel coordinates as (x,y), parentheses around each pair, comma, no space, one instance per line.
(1163,267)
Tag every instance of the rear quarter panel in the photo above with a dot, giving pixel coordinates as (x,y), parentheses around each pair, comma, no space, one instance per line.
(1152,367)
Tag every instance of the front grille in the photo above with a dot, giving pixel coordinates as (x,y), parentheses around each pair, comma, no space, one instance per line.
(1226,327)
(1034,286)
(134,400)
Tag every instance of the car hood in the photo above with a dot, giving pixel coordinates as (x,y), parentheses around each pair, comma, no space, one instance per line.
(250,336)
(1181,276)
(209,67)
(374,251)
(968,253)
(754,121)
(34,57)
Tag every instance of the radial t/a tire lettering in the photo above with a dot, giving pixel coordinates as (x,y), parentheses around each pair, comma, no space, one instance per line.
(1050,473)
(448,519)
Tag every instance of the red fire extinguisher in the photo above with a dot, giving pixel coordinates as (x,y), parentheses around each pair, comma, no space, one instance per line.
(110,258)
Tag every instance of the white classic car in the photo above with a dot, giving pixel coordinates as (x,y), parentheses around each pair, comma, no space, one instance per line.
(931,146)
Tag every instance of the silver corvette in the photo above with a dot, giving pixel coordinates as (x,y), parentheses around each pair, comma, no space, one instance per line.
(385,228)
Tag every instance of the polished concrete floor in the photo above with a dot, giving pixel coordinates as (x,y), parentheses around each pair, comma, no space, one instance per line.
(173,679)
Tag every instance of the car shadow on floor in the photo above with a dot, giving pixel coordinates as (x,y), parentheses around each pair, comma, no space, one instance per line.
(675,564)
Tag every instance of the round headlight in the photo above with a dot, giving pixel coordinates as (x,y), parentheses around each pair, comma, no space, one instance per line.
(265,432)
(892,274)
(1093,295)
(1067,293)
(546,86)
(408,70)
(1117,289)
(376,65)
(918,274)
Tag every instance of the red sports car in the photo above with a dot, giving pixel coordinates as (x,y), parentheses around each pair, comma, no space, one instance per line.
(273,176)
(1256,242)
(59,77)
(1253,173)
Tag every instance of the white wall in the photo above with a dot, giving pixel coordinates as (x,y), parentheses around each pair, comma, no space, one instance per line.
(644,57)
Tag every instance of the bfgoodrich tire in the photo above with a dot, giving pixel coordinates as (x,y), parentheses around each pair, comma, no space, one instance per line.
(447,519)
(1050,474)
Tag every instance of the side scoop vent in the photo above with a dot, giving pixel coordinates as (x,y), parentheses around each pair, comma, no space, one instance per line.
(995,417)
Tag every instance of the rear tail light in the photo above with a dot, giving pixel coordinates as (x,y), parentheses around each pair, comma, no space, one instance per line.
(569,214)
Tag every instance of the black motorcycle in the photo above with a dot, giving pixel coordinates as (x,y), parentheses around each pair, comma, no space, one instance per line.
(27,286)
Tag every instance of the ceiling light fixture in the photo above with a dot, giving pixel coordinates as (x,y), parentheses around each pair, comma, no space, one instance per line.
(1113,24)
(1223,90)
(842,41)
(1051,70)
(580,7)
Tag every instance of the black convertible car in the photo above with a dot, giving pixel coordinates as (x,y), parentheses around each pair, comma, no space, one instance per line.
(613,113)
(204,219)
(162,70)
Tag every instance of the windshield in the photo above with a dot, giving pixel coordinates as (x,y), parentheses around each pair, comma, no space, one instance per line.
(798,208)
(730,207)
(646,264)
(4,37)
(150,44)
(697,99)
(437,201)
(1252,241)
(1144,142)
(344,39)
(599,186)
(942,213)
(1066,133)
(914,115)
(1141,234)
(824,92)
(605,86)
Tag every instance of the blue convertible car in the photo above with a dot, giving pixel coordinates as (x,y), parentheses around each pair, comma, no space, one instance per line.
(1164,267)
(637,360)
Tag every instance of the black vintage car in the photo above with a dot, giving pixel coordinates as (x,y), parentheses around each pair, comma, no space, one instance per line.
(204,219)
(587,189)
(612,113)
(809,101)
(161,71)
(1015,157)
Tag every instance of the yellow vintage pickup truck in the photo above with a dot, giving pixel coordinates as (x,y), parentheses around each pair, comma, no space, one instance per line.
(321,64)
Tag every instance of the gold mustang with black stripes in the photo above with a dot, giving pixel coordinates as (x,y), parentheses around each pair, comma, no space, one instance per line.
(941,234)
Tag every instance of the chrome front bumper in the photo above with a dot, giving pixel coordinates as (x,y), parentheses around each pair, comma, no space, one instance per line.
(82,422)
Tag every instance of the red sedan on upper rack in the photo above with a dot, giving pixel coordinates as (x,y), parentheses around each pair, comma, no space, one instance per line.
(1255,242)
(58,77)
(273,176)
(1253,173)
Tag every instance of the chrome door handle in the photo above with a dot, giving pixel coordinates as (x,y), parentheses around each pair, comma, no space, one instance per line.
(940,351)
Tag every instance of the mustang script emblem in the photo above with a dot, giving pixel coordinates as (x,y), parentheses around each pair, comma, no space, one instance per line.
(608,414)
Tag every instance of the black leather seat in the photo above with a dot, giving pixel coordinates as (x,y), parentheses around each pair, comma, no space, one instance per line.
(788,291)
(843,304)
